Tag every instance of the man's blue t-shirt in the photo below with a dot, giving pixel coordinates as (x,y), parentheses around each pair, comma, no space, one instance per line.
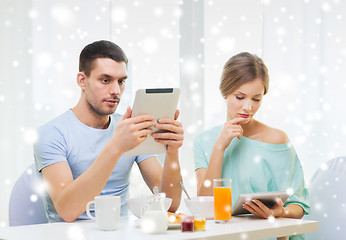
(66,139)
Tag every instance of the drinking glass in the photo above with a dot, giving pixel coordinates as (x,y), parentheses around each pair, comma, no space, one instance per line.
(222,200)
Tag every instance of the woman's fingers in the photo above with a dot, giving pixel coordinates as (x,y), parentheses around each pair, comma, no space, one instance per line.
(238,120)
(252,207)
(257,208)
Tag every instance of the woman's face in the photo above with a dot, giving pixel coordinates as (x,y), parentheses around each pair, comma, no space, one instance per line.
(245,101)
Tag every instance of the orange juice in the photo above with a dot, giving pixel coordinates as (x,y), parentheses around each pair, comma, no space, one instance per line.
(222,203)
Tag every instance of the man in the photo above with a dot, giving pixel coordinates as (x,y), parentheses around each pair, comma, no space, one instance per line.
(80,153)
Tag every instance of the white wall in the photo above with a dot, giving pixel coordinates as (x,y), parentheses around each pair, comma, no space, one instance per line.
(302,43)
(304,47)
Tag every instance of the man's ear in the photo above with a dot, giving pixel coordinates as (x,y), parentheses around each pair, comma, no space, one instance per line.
(81,77)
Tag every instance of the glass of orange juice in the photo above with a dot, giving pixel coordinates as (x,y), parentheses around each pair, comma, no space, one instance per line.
(222,200)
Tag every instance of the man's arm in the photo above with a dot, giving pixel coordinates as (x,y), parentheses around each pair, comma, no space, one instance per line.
(166,178)
(173,137)
(71,196)
(171,178)
(151,170)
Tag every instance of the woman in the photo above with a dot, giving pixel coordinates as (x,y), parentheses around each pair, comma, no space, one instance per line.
(257,158)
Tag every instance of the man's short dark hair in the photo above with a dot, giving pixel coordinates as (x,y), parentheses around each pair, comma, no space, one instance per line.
(100,49)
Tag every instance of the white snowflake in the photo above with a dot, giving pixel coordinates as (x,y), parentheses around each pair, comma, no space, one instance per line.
(68,93)
(266,2)
(190,66)
(226,44)
(207,183)
(271,219)
(44,60)
(244,236)
(30,136)
(38,106)
(177,13)
(62,15)
(33,14)
(174,166)
(119,15)
(158,11)
(150,45)
(184,172)
(257,159)
(15,63)
(33,198)
(7,23)
(75,232)
(281,31)
(326,107)
(326,7)
(8,181)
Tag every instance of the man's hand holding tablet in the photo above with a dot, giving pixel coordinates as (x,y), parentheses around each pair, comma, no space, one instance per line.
(167,134)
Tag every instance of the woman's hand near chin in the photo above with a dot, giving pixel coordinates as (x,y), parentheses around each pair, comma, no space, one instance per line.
(231,129)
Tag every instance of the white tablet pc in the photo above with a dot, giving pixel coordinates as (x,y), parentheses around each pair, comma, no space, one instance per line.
(267,198)
(159,102)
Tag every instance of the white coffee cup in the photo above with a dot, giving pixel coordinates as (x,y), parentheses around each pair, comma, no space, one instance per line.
(107,211)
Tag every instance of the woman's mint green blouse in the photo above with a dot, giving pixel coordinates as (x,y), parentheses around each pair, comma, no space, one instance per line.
(256,166)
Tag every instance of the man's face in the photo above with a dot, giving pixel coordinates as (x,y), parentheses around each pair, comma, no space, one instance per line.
(105,85)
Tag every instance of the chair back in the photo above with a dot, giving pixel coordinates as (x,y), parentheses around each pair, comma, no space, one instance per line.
(26,205)
(327,190)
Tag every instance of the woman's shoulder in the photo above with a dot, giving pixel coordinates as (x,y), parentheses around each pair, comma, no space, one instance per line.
(273,135)
(209,135)
(211,131)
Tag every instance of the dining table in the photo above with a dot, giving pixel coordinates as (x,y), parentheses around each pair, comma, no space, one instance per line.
(241,227)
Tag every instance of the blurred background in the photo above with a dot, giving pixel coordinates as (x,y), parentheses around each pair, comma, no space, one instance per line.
(175,43)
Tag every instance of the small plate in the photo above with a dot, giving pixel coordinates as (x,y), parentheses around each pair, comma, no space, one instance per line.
(137,224)
(174,225)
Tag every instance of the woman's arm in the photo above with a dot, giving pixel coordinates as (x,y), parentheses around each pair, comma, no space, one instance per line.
(205,176)
(257,208)
(293,211)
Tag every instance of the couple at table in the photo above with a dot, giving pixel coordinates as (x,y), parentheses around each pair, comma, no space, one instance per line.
(79,154)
